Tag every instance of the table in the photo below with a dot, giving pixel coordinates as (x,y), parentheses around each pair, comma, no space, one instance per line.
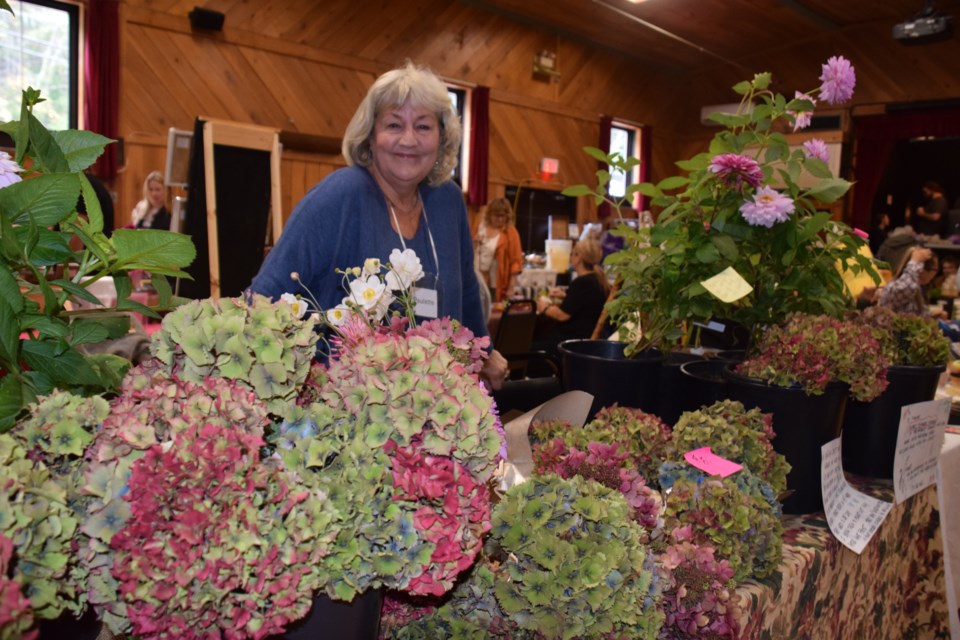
(894,590)
(948,481)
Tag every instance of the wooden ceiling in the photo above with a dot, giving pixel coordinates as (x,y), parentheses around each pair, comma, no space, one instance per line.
(693,35)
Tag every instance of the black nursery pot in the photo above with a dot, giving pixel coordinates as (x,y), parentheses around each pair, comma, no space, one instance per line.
(673,395)
(601,368)
(358,619)
(704,383)
(870,428)
(802,424)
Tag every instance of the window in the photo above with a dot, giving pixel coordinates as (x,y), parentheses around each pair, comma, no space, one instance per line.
(39,48)
(623,140)
(460,98)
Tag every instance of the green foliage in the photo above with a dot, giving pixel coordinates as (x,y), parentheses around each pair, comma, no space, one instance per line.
(572,565)
(43,275)
(793,265)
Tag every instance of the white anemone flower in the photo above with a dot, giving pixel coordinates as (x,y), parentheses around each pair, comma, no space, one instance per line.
(371,267)
(405,269)
(298,306)
(367,292)
(339,315)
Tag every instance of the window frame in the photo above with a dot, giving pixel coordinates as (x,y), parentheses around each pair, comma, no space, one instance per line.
(633,144)
(462,171)
(74,13)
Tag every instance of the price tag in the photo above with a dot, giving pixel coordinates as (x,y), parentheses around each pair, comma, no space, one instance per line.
(708,461)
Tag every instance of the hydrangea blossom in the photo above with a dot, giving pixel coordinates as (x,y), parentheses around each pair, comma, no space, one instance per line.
(8,170)
(767,208)
(802,119)
(735,169)
(816,148)
(838,78)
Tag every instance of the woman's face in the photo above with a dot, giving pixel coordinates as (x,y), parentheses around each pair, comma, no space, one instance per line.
(155,193)
(405,145)
(497,218)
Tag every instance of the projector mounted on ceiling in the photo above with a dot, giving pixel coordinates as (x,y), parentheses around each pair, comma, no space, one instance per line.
(927,26)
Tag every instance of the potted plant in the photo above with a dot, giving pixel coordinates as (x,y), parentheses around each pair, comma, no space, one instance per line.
(802,372)
(43,274)
(918,353)
(741,235)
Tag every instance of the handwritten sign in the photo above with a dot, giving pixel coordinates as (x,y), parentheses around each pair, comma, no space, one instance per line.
(919,441)
(853,516)
(706,460)
(728,285)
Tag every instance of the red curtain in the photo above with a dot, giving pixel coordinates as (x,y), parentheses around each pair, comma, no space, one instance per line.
(479,147)
(646,142)
(102,79)
(876,137)
(606,123)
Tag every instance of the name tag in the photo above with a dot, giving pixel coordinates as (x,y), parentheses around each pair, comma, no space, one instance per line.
(426,304)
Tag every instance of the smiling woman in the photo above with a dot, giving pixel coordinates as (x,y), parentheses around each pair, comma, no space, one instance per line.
(401,147)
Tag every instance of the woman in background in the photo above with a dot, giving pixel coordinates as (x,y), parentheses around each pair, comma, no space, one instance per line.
(151,212)
(496,247)
(577,314)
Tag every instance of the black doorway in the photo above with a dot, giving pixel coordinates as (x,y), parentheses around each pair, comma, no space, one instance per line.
(533,210)
(912,163)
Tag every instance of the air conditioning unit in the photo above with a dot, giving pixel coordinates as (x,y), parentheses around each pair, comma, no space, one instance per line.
(729,109)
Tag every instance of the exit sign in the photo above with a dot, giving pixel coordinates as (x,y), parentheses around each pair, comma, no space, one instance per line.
(550,165)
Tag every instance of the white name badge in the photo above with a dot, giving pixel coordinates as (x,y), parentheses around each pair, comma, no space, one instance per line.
(426,302)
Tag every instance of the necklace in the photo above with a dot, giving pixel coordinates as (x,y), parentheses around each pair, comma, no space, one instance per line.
(401,209)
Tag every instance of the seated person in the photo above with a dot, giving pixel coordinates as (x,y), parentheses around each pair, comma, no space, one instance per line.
(577,315)
(906,293)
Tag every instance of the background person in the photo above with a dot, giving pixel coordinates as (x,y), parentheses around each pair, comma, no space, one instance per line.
(577,314)
(400,146)
(906,294)
(931,218)
(497,252)
(151,212)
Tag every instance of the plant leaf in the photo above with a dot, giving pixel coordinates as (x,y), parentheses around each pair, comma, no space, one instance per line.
(48,198)
(829,190)
(153,250)
(11,401)
(65,367)
(80,148)
(85,331)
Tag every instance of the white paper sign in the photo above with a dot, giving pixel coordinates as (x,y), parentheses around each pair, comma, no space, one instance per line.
(853,517)
(919,441)
(728,285)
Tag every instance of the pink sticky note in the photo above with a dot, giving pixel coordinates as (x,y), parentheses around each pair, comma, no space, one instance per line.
(863,234)
(706,460)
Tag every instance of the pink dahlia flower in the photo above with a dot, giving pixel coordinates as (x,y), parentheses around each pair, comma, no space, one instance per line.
(767,208)
(801,119)
(838,80)
(816,148)
(8,170)
(735,169)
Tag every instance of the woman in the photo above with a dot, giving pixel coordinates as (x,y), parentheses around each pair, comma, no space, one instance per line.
(151,212)
(497,251)
(396,193)
(577,315)
(906,294)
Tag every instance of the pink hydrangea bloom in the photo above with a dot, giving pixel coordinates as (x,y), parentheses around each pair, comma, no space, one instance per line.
(801,119)
(8,170)
(767,208)
(735,169)
(816,148)
(838,80)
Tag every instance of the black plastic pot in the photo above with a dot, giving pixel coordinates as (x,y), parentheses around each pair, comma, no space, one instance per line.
(703,383)
(358,619)
(870,428)
(802,423)
(673,395)
(601,368)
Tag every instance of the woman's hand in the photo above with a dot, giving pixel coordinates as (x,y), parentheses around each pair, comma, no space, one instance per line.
(543,302)
(494,370)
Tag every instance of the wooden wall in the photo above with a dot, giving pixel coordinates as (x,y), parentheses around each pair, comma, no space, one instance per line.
(303,67)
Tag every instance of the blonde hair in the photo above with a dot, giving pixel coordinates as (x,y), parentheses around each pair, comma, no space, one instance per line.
(499,204)
(591,253)
(144,207)
(421,88)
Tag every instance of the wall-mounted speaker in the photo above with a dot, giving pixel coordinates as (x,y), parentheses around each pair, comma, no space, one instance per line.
(207,19)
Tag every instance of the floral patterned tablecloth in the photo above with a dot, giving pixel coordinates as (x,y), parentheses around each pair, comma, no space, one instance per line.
(894,590)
